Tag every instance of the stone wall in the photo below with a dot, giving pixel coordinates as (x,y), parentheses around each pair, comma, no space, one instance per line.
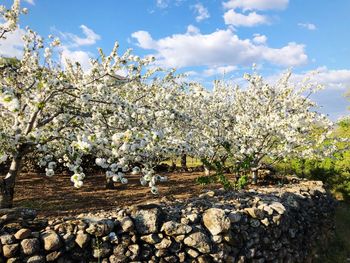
(273,225)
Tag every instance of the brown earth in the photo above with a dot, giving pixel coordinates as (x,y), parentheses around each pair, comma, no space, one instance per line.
(56,196)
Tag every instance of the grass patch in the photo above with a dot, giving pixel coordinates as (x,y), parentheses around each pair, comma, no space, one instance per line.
(338,250)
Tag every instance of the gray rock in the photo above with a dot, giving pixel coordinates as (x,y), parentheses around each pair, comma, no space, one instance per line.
(100,228)
(171,259)
(151,239)
(216,221)
(53,256)
(255,212)
(23,233)
(7,239)
(10,251)
(172,228)
(254,223)
(82,240)
(126,224)
(278,207)
(134,249)
(217,239)
(30,246)
(234,217)
(179,238)
(51,240)
(265,222)
(193,218)
(14,260)
(207,194)
(165,243)
(35,259)
(101,250)
(118,259)
(147,220)
(199,241)
(192,253)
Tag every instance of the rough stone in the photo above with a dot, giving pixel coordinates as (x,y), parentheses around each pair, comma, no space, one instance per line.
(53,256)
(101,250)
(51,240)
(82,240)
(10,251)
(234,216)
(151,239)
(278,207)
(7,239)
(126,224)
(147,220)
(30,246)
(216,221)
(192,253)
(100,228)
(172,228)
(36,259)
(199,241)
(23,233)
(165,243)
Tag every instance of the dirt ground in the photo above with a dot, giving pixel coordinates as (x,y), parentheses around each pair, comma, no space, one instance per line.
(56,196)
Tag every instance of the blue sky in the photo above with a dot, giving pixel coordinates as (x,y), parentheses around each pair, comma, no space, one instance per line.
(209,38)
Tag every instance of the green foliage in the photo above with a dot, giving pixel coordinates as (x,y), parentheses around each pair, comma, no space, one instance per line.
(338,250)
(333,171)
(205,180)
(242,182)
(220,177)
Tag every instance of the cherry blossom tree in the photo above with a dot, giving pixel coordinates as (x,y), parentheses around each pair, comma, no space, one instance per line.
(259,122)
(64,113)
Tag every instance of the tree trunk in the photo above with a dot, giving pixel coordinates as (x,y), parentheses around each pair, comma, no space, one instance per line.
(173,166)
(7,184)
(109,183)
(184,162)
(254,176)
(206,170)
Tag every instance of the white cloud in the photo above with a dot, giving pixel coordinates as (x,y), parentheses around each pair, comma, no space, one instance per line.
(259,39)
(308,26)
(144,39)
(201,11)
(83,57)
(30,2)
(237,19)
(220,48)
(162,3)
(336,82)
(12,46)
(90,37)
(256,4)
(290,55)
(192,30)
(219,70)
(330,78)
(71,47)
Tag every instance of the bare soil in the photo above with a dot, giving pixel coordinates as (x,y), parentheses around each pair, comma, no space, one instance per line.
(56,196)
